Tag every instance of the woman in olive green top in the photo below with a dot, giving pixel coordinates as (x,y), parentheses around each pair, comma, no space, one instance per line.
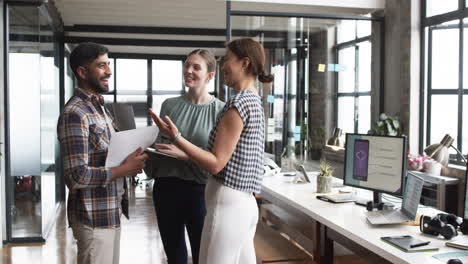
(179,188)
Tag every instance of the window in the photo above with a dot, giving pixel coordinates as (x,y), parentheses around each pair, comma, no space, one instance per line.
(132,85)
(354,52)
(446,48)
(167,81)
(144,83)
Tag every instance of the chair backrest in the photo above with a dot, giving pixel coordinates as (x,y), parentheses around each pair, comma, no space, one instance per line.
(124,116)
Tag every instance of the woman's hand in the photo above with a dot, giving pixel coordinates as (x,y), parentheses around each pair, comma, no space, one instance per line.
(166,127)
(172,150)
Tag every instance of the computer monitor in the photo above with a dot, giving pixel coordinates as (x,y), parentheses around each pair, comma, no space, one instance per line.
(376,163)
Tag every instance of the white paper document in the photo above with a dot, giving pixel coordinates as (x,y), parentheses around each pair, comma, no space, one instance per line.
(124,143)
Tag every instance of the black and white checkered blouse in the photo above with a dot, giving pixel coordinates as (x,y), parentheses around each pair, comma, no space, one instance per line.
(245,168)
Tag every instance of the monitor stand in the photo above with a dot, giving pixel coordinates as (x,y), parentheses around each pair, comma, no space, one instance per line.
(377,203)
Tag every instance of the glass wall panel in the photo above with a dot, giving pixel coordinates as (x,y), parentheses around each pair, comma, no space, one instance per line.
(364,28)
(347,30)
(346,113)
(50,110)
(437,7)
(365,56)
(445,56)
(111,79)
(287,49)
(465,126)
(69,80)
(167,75)
(24,187)
(132,87)
(465,55)
(346,75)
(364,118)
(326,66)
(132,75)
(444,118)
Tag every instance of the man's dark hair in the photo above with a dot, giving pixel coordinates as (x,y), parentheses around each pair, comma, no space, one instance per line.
(85,53)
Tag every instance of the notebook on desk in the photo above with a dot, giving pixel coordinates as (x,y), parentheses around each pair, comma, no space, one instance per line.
(409,206)
(337,197)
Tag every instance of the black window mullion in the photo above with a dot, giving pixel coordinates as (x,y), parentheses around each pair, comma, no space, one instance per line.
(460,90)
(429,87)
(444,91)
(149,89)
(115,80)
(356,86)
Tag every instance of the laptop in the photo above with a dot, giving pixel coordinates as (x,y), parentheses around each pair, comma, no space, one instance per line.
(409,206)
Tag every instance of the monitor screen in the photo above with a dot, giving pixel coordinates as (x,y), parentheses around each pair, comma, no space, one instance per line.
(376,163)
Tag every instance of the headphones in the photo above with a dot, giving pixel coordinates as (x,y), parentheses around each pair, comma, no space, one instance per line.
(443,224)
(464,227)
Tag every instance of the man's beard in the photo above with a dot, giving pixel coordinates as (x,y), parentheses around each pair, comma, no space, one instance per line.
(98,87)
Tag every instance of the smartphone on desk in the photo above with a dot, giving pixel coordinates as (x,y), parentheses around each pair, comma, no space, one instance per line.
(157,152)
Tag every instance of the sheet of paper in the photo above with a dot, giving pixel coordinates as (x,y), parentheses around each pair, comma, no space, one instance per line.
(124,143)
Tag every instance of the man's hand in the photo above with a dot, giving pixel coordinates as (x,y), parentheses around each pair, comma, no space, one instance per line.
(132,165)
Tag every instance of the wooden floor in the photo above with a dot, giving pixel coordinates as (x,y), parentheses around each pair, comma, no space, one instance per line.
(140,242)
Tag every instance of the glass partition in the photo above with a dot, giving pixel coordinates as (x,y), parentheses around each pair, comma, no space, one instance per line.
(33,110)
(323,77)
(25,131)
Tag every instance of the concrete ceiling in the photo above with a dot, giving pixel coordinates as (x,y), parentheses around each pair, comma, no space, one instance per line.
(177,13)
(208,14)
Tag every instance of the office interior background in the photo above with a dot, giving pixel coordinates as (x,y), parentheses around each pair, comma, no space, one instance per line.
(336,64)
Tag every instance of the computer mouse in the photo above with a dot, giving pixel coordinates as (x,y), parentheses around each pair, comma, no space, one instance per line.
(454,261)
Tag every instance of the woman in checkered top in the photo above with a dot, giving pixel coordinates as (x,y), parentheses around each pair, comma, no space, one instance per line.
(235,159)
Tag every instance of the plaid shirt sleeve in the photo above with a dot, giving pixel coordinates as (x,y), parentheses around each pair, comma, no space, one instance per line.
(73,133)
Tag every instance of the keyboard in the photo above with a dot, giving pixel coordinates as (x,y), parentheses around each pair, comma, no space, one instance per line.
(387,217)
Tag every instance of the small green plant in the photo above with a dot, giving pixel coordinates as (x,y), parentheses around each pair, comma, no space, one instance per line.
(325,169)
(387,125)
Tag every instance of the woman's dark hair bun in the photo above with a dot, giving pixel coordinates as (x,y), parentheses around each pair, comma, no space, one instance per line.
(265,78)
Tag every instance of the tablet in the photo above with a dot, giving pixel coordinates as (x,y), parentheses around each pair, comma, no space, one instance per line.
(157,152)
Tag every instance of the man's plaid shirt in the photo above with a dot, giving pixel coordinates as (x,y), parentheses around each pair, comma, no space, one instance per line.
(84,138)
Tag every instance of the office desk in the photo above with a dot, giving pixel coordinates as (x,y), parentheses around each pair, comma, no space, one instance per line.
(346,224)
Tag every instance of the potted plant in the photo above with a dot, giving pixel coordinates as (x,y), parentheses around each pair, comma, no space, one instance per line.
(324,179)
(387,125)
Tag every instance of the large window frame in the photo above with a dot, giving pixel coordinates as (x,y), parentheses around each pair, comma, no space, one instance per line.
(430,25)
(356,94)
(152,89)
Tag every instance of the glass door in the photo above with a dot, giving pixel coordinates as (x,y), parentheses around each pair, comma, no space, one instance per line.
(32,94)
(286,43)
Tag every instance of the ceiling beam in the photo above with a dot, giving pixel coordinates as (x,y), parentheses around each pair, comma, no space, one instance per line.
(170,30)
(162,43)
(361,4)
